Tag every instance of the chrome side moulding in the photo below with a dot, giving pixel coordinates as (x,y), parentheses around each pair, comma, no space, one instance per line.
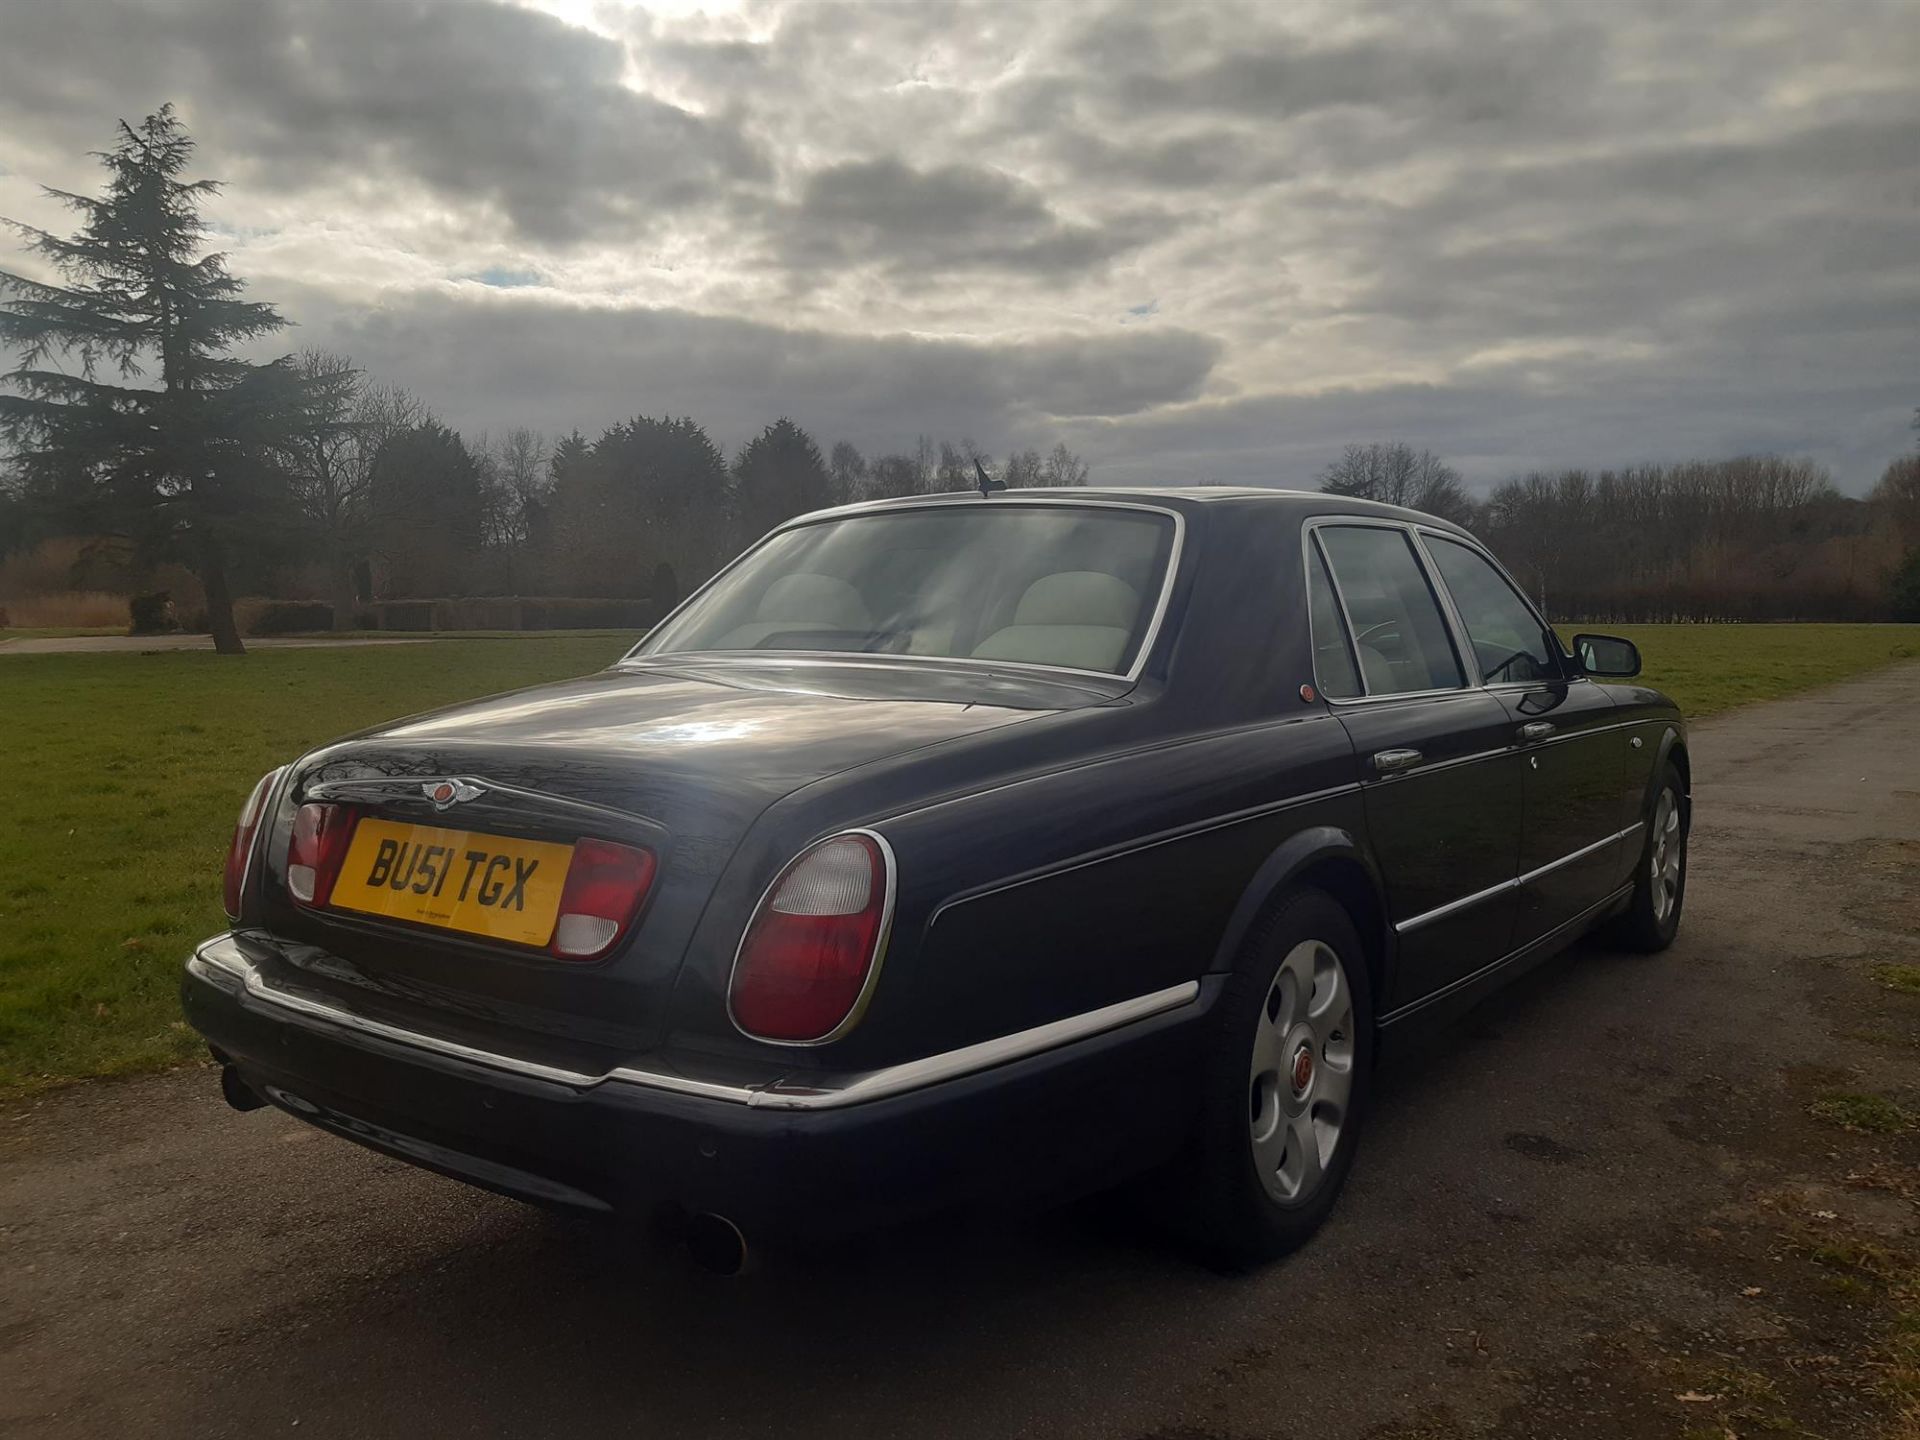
(1532,947)
(1454,907)
(221,962)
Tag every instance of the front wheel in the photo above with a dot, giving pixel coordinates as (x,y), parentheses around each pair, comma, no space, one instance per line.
(1652,916)
(1288,1078)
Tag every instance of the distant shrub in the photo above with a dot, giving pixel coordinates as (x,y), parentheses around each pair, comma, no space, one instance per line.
(151,614)
(1906,587)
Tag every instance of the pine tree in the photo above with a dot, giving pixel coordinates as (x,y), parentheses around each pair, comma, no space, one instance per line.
(186,460)
(779,475)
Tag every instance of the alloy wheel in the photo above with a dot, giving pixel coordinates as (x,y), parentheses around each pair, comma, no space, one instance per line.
(1669,849)
(1301,1078)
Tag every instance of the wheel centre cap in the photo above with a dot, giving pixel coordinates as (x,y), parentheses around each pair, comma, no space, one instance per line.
(1300,1073)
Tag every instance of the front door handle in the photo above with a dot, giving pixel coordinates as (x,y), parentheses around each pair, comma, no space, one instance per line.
(1536,730)
(1388,761)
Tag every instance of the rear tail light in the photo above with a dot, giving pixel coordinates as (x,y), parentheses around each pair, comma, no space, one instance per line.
(319,844)
(606,884)
(238,853)
(811,951)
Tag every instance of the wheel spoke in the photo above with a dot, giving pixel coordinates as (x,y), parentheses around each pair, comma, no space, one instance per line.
(1303,1167)
(1296,972)
(1269,1134)
(1269,1048)
(1331,1088)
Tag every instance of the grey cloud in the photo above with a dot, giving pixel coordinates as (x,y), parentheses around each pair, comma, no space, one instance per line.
(952,217)
(503,360)
(484,104)
(1708,400)
(1693,224)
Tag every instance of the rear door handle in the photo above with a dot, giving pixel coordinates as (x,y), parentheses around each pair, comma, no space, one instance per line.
(1536,730)
(1388,761)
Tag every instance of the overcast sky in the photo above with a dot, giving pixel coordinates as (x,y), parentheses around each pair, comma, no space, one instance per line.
(1199,241)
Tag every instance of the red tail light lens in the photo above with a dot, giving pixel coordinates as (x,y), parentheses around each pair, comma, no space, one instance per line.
(811,950)
(606,884)
(319,844)
(238,852)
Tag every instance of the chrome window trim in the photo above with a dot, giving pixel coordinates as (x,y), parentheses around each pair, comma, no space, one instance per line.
(1313,555)
(1001,500)
(860,1001)
(1310,529)
(221,963)
(1454,907)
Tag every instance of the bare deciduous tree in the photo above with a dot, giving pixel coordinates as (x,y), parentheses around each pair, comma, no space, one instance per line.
(1063,467)
(1396,474)
(331,468)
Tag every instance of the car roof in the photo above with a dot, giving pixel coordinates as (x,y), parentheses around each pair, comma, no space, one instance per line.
(1175,497)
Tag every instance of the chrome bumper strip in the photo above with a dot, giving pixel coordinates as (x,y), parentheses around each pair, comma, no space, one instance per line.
(221,962)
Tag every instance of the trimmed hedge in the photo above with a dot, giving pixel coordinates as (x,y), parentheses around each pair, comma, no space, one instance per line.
(290,617)
(473,612)
(517,612)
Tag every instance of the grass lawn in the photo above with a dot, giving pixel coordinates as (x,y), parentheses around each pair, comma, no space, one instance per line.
(49,632)
(1708,668)
(119,779)
(120,776)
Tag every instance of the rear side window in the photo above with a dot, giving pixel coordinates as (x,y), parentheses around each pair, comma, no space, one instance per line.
(1509,642)
(1332,658)
(1398,629)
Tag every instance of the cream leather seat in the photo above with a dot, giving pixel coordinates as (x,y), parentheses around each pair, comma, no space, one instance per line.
(1077,618)
(803,601)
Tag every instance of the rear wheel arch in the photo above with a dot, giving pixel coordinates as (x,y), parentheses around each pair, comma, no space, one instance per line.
(1329,859)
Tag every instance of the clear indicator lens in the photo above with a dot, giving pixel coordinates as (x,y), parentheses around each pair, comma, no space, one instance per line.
(836,879)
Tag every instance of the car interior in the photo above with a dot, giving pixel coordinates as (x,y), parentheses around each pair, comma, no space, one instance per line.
(1055,587)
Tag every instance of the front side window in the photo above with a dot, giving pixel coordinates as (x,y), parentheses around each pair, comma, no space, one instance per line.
(1509,642)
(1057,585)
(1398,630)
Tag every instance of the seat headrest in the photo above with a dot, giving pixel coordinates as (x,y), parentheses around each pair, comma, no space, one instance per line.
(816,599)
(1079,597)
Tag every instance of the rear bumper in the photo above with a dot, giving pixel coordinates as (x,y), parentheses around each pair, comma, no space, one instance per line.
(1046,1113)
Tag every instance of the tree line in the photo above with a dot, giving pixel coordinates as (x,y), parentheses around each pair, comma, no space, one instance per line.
(129,415)
(1750,538)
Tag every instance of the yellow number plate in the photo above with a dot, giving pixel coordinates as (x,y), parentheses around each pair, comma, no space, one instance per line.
(487,885)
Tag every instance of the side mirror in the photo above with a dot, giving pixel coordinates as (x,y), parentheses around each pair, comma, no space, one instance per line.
(1607,655)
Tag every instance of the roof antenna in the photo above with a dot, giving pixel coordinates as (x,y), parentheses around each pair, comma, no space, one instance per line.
(987,483)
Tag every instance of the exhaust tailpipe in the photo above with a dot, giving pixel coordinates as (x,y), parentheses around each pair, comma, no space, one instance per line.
(715,1244)
(240,1095)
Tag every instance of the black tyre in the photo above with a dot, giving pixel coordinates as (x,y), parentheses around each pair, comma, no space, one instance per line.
(1288,1077)
(1652,916)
